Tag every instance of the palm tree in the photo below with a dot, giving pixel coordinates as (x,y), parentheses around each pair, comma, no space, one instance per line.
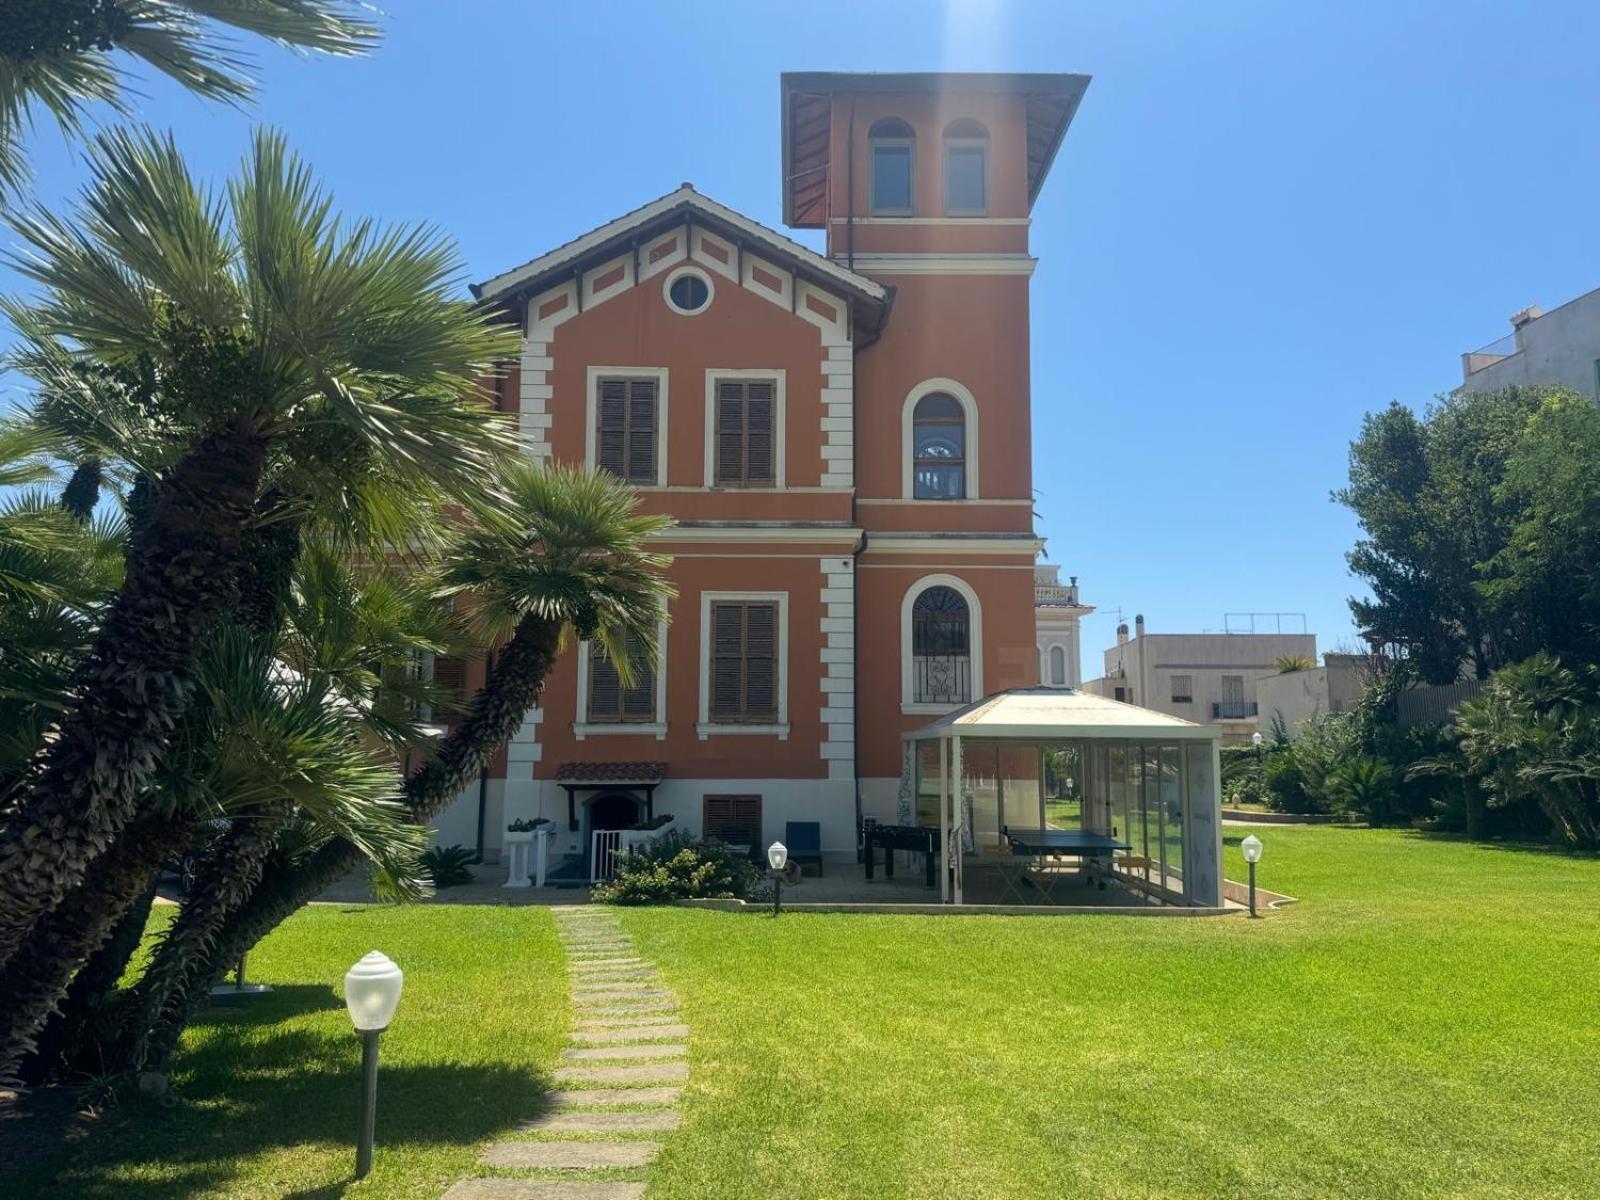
(564,551)
(57,57)
(270,333)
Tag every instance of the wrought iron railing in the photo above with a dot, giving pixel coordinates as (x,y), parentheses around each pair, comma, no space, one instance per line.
(942,678)
(1233,710)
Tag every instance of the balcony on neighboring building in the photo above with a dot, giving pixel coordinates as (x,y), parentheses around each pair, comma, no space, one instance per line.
(1233,710)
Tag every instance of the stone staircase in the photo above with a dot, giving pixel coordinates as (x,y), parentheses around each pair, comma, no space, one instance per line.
(622,1077)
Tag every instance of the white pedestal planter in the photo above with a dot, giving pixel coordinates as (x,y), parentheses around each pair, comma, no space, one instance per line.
(519,848)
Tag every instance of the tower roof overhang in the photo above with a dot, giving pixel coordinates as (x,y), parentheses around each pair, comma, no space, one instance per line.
(1052,99)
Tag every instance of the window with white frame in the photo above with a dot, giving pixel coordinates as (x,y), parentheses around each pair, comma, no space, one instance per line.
(611,702)
(939,448)
(744,441)
(892,149)
(628,428)
(941,647)
(1183,689)
(744,663)
(966,169)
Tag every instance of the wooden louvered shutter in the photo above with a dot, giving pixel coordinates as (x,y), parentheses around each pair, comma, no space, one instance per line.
(450,677)
(605,688)
(609,701)
(733,819)
(758,421)
(761,662)
(727,662)
(642,431)
(745,433)
(625,434)
(612,436)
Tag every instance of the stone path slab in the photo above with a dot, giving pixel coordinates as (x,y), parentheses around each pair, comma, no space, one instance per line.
(641,1021)
(662,1072)
(643,1033)
(577,1121)
(543,1189)
(612,1097)
(591,1008)
(612,1053)
(568,1156)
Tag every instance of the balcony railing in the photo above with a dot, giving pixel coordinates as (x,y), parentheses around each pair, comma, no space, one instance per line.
(1233,710)
(942,678)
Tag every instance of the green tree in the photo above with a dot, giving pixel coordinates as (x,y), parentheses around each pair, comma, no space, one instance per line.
(276,339)
(559,551)
(59,57)
(1428,494)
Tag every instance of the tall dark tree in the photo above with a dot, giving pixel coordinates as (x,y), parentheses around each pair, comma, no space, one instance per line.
(1463,537)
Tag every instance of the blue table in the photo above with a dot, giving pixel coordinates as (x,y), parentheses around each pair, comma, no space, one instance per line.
(1036,845)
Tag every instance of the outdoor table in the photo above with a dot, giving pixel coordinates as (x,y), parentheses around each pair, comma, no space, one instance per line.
(1035,845)
(924,839)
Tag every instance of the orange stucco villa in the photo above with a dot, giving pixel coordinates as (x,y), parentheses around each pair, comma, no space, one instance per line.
(843,438)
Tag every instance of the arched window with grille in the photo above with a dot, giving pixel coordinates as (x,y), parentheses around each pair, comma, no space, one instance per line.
(941,647)
(939,448)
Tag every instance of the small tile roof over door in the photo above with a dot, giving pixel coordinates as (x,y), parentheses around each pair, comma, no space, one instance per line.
(611,772)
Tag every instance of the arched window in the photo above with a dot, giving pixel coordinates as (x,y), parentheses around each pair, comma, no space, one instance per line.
(941,647)
(938,448)
(966,169)
(1058,666)
(893,151)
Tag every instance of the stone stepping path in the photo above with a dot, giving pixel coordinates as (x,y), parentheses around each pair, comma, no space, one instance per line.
(622,1075)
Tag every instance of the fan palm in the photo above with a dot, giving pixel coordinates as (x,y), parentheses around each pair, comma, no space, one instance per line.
(57,57)
(266,330)
(564,551)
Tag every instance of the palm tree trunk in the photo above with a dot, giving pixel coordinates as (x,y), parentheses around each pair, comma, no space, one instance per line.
(70,1040)
(228,872)
(135,683)
(497,710)
(36,978)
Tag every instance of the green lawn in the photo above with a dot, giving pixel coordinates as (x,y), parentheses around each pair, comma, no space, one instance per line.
(1423,1024)
(266,1098)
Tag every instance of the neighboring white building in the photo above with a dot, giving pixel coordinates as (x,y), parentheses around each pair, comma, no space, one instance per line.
(1056,613)
(1297,696)
(1205,677)
(1561,346)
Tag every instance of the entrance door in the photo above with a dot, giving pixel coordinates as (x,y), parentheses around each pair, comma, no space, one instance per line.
(607,813)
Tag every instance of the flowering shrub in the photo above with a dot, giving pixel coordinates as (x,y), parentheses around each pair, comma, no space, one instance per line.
(677,867)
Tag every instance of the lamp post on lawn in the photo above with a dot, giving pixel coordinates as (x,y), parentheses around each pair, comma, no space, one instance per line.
(1256,740)
(777,859)
(1251,847)
(371,993)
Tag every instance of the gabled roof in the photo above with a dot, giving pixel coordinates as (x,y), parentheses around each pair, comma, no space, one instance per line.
(1052,99)
(663,213)
(1049,714)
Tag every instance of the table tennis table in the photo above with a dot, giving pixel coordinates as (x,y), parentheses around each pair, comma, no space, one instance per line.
(1035,846)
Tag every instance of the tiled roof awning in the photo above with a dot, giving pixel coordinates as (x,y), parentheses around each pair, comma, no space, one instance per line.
(610,772)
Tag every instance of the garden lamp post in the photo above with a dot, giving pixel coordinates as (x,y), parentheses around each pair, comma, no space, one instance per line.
(1256,740)
(777,859)
(371,993)
(1251,847)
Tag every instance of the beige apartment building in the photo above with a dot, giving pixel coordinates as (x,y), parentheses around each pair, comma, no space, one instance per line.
(1209,678)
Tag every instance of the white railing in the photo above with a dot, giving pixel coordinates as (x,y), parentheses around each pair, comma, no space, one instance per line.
(608,845)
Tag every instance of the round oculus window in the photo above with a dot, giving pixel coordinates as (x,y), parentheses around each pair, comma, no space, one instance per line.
(688,292)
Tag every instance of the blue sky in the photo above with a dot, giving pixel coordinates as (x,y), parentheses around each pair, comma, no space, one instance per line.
(1267,219)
